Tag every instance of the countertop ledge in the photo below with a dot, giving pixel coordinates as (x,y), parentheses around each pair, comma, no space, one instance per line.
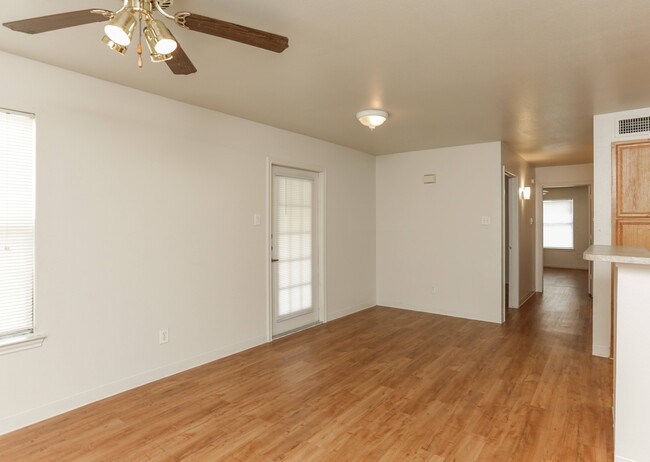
(617,254)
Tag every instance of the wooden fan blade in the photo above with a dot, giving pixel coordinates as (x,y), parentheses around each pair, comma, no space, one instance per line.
(180,64)
(58,21)
(232,31)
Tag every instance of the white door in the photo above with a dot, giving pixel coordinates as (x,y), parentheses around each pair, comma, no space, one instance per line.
(513,237)
(294,251)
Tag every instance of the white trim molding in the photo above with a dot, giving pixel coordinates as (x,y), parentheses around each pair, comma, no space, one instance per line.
(525,298)
(600,350)
(349,311)
(15,422)
(20,343)
(623,459)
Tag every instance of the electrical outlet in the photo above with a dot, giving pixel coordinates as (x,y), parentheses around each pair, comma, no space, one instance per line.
(163,336)
(434,290)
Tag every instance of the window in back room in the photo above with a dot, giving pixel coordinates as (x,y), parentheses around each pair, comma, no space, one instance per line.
(558,224)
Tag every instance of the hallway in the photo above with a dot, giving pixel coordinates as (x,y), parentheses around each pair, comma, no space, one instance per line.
(573,389)
(563,308)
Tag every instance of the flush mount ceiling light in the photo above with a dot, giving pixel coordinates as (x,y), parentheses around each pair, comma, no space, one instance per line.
(138,19)
(372,118)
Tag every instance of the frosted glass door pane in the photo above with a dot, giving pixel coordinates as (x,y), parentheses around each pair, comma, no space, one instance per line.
(293,215)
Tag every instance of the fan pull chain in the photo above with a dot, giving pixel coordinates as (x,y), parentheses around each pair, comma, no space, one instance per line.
(140,62)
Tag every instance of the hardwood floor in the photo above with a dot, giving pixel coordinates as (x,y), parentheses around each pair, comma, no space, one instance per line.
(380,385)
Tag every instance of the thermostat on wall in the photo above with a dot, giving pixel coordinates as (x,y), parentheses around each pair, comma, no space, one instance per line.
(428,179)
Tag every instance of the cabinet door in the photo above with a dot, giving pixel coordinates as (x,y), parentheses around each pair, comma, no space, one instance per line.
(632,180)
(633,233)
(631,194)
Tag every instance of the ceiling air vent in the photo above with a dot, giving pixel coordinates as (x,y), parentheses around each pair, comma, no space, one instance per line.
(635,125)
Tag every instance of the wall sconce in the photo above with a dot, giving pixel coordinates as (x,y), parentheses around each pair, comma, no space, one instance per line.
(525,193)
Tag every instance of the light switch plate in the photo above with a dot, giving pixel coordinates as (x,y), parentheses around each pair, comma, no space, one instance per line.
(486,220)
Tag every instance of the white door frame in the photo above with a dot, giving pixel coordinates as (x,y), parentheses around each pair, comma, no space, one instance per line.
(503,245)
(539,232)
(513,229)
(513,233)
(322,207)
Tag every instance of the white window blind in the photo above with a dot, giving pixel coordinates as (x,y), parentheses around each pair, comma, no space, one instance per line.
(17,155)
(558,224)
(293,226)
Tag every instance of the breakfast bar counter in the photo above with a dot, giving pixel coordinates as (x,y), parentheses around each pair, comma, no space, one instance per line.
(632,349)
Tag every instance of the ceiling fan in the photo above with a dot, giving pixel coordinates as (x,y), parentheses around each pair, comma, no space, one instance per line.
(138,16)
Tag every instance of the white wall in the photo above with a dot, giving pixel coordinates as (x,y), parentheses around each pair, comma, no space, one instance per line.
(431,234)
(605,128)
(516,165)
(571,258)
(143,225)
(566,175)
(632,380)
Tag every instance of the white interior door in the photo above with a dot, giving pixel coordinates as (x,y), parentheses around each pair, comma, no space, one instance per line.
(590,228)
(294,249)
(513,238)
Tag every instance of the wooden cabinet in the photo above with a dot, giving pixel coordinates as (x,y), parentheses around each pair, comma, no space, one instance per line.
(630,202)
(631,194)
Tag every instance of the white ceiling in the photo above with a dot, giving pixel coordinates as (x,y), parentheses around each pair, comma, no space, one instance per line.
(531,73)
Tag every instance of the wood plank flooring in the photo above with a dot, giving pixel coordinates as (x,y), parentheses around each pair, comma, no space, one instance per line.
(380,385)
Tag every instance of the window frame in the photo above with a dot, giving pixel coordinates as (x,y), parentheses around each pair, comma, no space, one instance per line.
(26,338)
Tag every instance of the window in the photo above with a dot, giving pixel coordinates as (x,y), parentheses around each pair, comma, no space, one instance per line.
(17,156)
(558,224)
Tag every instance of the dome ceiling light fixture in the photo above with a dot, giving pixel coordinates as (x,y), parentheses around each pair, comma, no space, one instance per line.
(372,118)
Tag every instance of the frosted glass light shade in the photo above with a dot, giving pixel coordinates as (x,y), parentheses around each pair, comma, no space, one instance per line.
(372,118)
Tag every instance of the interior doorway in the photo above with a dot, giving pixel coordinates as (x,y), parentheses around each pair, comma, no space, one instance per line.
(510,243)
(566,229)
(295,250)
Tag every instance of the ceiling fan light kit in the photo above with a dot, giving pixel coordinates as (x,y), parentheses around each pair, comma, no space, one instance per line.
(120,28)
(151,44)
(372,118)
(162,44)
(121,49)
(163,40)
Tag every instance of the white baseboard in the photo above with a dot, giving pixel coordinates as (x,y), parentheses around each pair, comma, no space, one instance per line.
(17,421)
(348,311)
(525,298)
(574,267)
(600,350)
(622,459)
(24,419)
(426,309)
